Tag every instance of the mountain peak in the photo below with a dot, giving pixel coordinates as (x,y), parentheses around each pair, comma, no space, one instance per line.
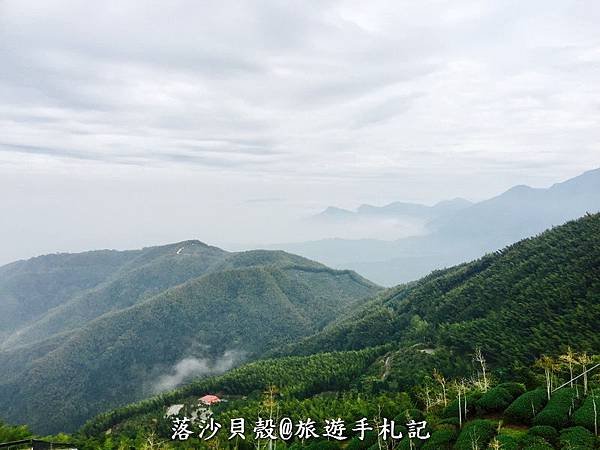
(333,212)
(587,181)
(456,201)
(520,188)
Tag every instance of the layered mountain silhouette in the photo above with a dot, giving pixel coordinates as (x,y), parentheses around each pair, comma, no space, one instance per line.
(396,210)
(538,296)
(457,233)
(86,332)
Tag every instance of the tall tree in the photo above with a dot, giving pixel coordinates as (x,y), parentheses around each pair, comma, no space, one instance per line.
(569,358)
(584,361)
(547,364)
(479,358)
(439,377)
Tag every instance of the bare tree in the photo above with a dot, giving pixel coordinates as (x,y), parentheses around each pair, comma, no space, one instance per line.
(479,358)
(153,442)
(461,395)
(548,364)
(269,403)
(463,385)
(437,376)
(495,444)
(584,360)
(569,358)
(474,440)
(595,414)
(459,407)
(424,393)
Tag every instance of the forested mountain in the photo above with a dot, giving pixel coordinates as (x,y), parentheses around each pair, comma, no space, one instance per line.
(535,297)
(172,311)
(517,302)
(458,414)
(459,236)
(29,289)
(126,278)
(538,296)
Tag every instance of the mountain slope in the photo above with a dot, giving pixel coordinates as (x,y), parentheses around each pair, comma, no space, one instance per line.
(524,211)
(535,297)
(148,272)
(246,303)
(517,303)
(29,289)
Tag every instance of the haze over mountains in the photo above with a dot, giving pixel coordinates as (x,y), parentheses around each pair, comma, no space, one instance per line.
(396,210)
(518,302)
(450,232)
(81,333)
(537,296)
(85,333)
(393,221)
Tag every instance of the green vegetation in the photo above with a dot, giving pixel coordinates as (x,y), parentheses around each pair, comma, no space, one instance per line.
(526,407)
(496,399)
(516,303)
(585,415)
(577,438)
(513,388)
(301,377)
(301,392)
(29,289)
(347,393)
(400,357)
(162,306)
(508,439)
(452,409)
(558,410)
(11,433)
(476,434)
(548,433)
(441,439)
(530,442)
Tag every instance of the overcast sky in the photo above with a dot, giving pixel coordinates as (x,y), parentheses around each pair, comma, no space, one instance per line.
(130,123)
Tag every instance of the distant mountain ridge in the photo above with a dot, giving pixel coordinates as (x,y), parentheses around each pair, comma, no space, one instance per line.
(538,296)
(107,340)
(526,210)
(539,287)
(138,274)
(395,209)
(458,236)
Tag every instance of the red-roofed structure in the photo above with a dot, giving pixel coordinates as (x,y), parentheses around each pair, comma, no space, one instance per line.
(209,399)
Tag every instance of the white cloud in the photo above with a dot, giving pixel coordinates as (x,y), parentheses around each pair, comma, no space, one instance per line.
(188,368)
(328,102)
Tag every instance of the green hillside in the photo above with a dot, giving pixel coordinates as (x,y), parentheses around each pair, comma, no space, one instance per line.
(410,353)
(146,272)
(464,414)
(517,303)
(29,289)
(118,340)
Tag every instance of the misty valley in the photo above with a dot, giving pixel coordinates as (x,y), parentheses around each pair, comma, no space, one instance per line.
(289,225)
(110,341)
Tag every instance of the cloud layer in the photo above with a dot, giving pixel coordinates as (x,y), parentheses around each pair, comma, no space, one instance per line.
(191,367)
(328,102)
